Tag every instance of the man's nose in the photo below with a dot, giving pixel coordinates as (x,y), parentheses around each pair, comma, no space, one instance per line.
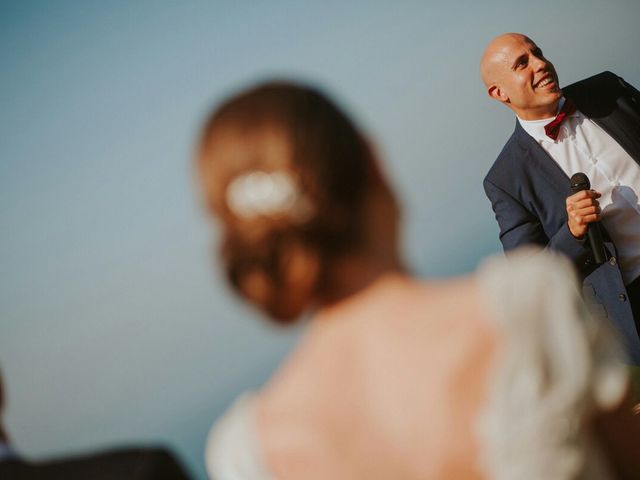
(539,63)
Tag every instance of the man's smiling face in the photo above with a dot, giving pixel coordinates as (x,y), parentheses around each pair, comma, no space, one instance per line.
(517,74)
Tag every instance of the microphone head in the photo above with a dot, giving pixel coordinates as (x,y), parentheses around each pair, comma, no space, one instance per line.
(579,182)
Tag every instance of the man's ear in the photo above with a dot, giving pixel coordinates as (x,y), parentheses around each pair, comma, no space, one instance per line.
(495,92)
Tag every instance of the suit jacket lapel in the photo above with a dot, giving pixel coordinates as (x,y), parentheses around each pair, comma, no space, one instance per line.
(543,162)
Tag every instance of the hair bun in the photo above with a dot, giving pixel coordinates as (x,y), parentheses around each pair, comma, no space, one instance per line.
(279,275)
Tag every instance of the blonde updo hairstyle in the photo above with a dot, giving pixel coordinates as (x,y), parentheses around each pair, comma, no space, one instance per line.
(279,258)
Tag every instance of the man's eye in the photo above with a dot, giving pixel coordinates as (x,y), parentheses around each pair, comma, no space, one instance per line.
(521,63)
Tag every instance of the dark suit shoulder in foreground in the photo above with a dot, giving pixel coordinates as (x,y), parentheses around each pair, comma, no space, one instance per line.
(134,464)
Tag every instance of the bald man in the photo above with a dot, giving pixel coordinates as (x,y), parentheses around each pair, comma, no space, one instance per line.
(592,126)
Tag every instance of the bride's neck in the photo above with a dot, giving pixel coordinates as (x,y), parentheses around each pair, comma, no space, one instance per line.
(354,274)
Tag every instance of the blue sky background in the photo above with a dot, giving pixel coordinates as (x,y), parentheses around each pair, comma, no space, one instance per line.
(115,324)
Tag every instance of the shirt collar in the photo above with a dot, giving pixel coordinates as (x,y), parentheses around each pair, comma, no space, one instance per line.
(535,128)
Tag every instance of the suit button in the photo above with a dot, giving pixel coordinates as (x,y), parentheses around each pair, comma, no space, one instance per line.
(587,261)
(613,261)
(622,297)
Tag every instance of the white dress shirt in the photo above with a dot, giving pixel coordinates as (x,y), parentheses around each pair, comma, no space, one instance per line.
(582,146)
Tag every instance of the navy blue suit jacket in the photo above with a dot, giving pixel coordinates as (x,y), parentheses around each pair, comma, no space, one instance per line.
(528,189)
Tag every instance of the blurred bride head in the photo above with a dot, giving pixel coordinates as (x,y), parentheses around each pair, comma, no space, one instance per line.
(304,210)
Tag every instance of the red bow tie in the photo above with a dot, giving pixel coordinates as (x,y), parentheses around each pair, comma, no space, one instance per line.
(552,129)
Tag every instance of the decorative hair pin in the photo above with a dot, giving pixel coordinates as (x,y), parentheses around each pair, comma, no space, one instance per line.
(259,193)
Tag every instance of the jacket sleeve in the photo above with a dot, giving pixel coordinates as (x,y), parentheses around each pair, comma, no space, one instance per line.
(520,227)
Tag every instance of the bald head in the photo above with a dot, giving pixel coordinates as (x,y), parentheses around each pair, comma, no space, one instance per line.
(516,73)
(495,55)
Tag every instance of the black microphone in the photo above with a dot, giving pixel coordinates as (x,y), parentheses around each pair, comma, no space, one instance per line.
(579,182)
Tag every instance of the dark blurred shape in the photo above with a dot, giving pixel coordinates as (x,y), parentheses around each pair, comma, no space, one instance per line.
(134,463)
(130,463)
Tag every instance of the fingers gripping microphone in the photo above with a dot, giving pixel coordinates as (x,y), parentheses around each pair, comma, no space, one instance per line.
(579,182)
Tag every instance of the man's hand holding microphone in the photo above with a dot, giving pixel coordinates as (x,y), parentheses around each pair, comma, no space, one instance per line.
(583,214)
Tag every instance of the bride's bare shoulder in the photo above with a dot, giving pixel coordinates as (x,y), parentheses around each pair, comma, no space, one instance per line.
(405,320)
(456,316)
(455,305)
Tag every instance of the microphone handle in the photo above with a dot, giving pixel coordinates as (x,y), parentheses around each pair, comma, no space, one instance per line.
(595,242)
